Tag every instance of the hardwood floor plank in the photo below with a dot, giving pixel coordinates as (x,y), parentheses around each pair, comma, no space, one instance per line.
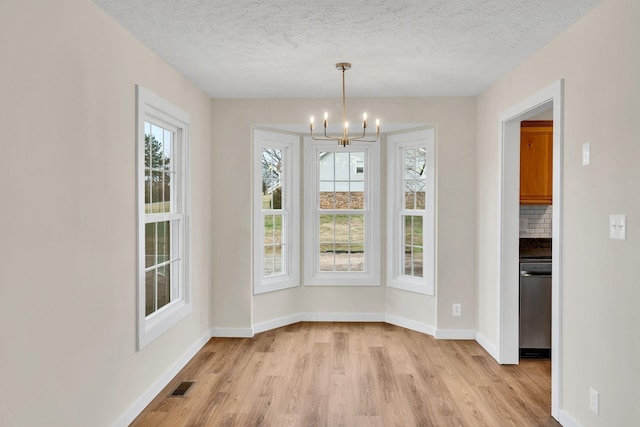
(352,374)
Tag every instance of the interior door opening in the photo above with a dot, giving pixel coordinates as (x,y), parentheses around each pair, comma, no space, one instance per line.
(549,98)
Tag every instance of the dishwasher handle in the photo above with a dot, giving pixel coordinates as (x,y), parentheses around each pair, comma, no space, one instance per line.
(525,273)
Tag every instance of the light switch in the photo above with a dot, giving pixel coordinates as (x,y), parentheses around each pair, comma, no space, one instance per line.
(618,227)
(586,153)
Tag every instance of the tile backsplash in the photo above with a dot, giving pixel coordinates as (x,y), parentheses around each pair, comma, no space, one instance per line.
(535,221)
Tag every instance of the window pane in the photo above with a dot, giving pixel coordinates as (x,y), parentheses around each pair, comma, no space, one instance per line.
(356,261)
(417,262)
(342,261)
(268,261)
(164,242)
(272,178)
(167,150)
(415,162)
(416,235)
(409,198)
(327,228)
(268,229)
(356,228)
(341,224)
(150,292)
(150,242)
(420,199)
(165,205)
(277,228)
(407,229)
(408,260)
(164,285)
(147,190)
(278,265)
(413,241)
(356,186)
(326,257)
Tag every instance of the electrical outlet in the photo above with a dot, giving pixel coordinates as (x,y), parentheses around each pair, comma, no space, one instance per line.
(594,401)
(457,309)
(618,227)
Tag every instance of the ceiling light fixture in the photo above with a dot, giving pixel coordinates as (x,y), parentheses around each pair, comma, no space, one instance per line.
(345,139)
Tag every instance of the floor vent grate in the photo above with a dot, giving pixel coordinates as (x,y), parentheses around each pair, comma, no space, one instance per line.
(182,388)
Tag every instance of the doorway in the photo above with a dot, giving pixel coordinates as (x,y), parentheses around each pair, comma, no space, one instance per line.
(508,296)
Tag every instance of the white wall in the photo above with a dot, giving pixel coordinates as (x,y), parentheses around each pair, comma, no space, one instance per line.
(68,215)
(599,59)
(234,305)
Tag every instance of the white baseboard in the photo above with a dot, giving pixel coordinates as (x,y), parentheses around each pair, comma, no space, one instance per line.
(487,345)
(161,383)
(410,324)
(455,334)
(567,420)
(342,317)
(232,332)
(277,323)
(317,317)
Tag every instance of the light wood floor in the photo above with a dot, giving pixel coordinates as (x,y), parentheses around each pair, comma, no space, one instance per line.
(352,374)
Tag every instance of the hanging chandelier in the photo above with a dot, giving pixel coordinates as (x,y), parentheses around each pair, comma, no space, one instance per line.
(345,139)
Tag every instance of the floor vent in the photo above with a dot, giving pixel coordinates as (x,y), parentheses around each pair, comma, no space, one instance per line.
(182,388)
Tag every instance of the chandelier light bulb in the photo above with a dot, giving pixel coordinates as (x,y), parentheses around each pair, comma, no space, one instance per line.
(311,123)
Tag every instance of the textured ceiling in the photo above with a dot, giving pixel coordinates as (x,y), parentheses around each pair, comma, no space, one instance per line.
(288,48)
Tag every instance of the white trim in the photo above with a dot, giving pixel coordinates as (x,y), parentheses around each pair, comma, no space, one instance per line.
(487,345)
(425,137)
(567,420)
(317,317)
(232,332)
(371,274)
(343,317)
(410,324)
(277,323)
(150,107)
(153,391)
(507,328)
(290,146)
(455,334)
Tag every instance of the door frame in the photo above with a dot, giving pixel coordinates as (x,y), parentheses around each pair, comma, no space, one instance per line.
(509,230)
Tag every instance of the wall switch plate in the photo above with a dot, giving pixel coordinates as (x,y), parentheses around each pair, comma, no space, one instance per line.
(586,153)
(457,310)
(594,401)
(618,227)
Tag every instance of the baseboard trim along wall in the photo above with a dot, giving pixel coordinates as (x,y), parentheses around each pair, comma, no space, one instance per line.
(487,345)
(162,382)
(455,334)
(446,334)
(567,420)
(232,332)
(317,317)
(410,324)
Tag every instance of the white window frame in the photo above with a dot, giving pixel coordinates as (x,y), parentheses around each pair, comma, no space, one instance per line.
(290,146)
(396,144)
(371,274)
(154,109)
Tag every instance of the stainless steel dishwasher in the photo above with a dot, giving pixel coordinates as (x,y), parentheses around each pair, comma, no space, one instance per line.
(535,309)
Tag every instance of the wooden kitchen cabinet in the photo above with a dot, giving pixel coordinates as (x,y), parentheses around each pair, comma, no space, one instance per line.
(536,162)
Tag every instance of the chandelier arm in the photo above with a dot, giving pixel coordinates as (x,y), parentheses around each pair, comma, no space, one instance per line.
(325,138)
(345,130)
